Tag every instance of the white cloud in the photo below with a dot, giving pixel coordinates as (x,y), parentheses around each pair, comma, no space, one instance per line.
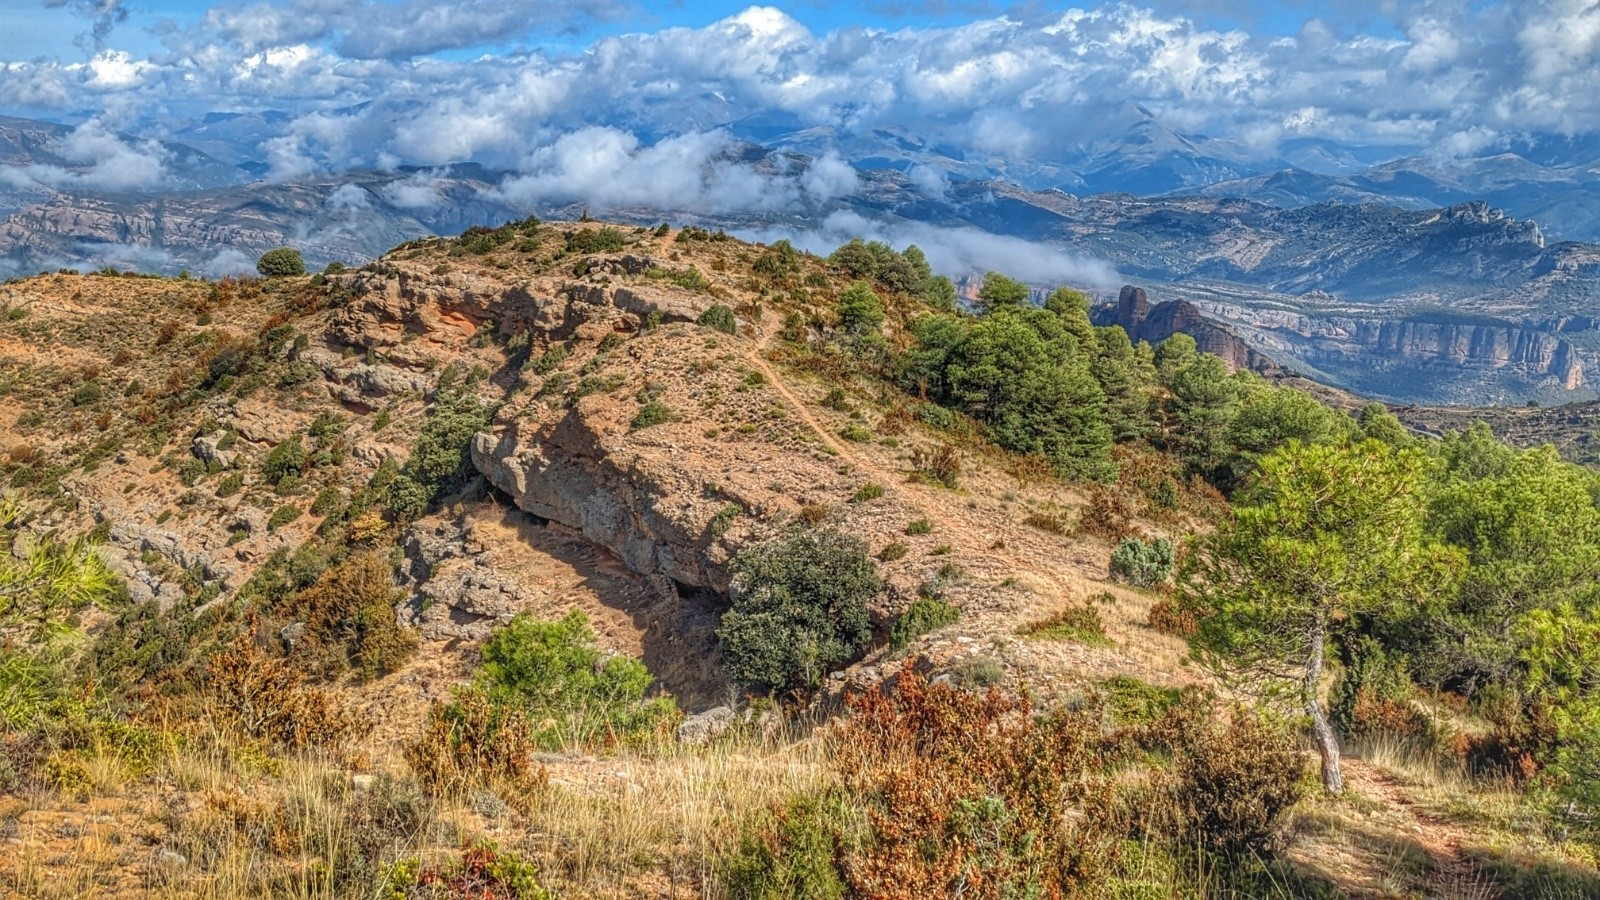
(954,251)
(98,158)
(228,263)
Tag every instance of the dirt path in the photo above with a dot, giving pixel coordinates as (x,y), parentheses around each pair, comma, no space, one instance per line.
(1452,875)
(930,510)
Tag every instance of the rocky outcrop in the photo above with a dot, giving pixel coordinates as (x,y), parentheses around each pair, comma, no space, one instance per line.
(1155,323)
(1528,351)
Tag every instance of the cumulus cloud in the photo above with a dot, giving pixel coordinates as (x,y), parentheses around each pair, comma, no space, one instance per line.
(96,157)
(1007,92)
(699,172)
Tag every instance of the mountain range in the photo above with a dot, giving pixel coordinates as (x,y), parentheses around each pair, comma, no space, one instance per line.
(1412,279)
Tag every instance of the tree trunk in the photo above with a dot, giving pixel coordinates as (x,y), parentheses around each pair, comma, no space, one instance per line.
(1321,731)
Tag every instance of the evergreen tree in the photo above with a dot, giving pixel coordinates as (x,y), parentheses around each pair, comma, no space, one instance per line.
(1125,377)
(999,291)
(1020,372)
(1323,532)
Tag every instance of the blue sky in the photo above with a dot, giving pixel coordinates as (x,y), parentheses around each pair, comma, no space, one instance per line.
(28,29)
(573,91)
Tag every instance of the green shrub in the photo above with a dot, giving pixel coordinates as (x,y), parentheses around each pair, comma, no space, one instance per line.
(326,501)
(722,520)
(859,434)
(719,318)
(893,551)
(799,609)
(483,871)
(1142,563)
(287,458)
(1134,702)
(549,360)
(926,614)
(439,459)
(919,526)
(867,492)
(282,516)
(652,413)
(283,262)
(554,672)
(791,853)
(231,484)
(87,394)
(595,240)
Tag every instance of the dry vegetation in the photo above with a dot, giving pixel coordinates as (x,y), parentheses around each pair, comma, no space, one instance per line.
(275,467)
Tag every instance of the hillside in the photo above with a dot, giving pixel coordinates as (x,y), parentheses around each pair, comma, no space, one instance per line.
(574,416)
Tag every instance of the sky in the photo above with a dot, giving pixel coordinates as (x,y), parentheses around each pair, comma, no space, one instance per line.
(606,93)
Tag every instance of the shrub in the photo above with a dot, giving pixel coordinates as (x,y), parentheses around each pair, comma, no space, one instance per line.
(1171,618)
(87,394)
(893,551)
(854,433)
(554,672)
(867,492)
(722,519)
(964,789)
(940,466)
(549,360)
(231,484)
(924,615)
(792,852)
(283,262)
(1072,623)
(595,240)
(282,516)
(484,871)
(860,310)
(1372,695)
(439,458)
(287,458)
(352,607)
(269,700)
(1231,783)
(473,741)
(919,526)
(799,609)
(719,318)
(1052,522)
(1142,563)
(1130,701)
(652,413)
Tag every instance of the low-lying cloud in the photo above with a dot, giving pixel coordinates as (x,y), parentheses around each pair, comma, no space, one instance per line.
(952,251)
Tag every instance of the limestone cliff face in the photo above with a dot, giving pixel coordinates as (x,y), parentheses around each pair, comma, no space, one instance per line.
(1411,358)
(1535,352)
(1155,323)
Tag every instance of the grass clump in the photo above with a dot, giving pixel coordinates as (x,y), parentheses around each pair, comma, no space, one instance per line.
(919,526)
(867,492)
(892,551)
(1079,623)
(651,414)
(924,615)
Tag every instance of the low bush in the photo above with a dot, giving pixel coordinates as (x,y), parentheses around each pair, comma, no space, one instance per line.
(269,700)
(1232,780)
(892,551)
(554,673)
(1073,623)
(652,413)
(867,493)
(940,466)
(1051,522)
(719,318)
(484,872)
(1142,563)
(350,618)
(924,615)
(473,741)
(799,609)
